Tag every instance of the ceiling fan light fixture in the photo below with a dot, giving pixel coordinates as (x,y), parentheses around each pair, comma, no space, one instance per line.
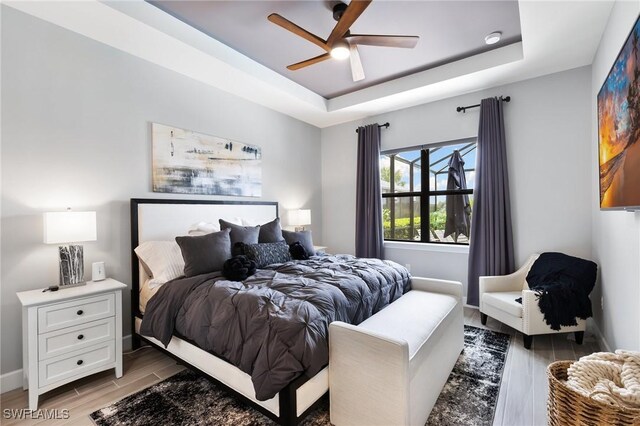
(340,50)
(493,38)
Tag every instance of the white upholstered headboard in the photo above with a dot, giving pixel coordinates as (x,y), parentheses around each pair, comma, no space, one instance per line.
(157,222)
(164,219)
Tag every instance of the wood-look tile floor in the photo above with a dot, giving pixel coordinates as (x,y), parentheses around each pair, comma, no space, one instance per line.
(522,400)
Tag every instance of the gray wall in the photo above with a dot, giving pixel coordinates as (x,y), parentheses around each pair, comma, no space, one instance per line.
(549,168)
(616,234)
(76,133)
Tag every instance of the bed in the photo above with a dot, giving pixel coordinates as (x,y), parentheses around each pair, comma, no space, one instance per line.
(153,219)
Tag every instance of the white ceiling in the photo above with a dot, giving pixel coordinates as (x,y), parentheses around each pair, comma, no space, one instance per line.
(448,31)
(556,36)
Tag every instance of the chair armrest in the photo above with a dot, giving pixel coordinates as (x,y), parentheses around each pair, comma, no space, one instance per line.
(494,284)
(433,285)
(511,282)
(532,318)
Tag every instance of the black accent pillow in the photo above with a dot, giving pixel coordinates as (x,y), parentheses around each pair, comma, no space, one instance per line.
(238,268)
(206,253)
(271,232)
(303,237)
(267,253)
(297,251)
(240,234)
(238,249)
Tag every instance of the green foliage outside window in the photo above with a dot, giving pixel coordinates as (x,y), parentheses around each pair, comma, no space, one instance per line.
(403,231)
(385,175)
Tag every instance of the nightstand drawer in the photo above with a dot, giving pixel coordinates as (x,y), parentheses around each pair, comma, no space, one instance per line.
(79,311)
(76,363)
(72,338)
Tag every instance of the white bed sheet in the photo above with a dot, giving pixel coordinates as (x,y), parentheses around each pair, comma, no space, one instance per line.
(146,293)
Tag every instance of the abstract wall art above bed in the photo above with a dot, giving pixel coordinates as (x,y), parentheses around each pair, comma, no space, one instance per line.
(187,162)
(619,128)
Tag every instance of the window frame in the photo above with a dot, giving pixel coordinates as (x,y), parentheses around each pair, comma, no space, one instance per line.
(425,192)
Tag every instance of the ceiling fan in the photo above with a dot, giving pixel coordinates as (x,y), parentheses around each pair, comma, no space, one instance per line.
(341,44)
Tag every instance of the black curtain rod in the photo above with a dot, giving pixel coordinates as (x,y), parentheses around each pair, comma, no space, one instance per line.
(465,108)
(385,125)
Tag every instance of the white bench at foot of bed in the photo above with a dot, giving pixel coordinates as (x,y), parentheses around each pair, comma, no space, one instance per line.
(390,369)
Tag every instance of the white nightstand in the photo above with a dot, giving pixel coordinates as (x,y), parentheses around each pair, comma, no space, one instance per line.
(69,334)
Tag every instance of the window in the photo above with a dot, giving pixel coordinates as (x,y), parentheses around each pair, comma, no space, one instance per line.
(411,192)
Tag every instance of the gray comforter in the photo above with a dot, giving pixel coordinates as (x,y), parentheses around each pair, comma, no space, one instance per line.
(274,325)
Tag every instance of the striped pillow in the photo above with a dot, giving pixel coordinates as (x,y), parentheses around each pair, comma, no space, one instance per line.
(162,260)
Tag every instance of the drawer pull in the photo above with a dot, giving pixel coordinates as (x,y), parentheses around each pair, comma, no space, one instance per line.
(79,362)
(81,336)
(80,312)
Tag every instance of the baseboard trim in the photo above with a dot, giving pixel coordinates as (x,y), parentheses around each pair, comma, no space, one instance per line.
(10,381)
(13,379)
(602,342)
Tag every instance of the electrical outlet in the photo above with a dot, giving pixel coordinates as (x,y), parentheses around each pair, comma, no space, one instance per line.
(408,266)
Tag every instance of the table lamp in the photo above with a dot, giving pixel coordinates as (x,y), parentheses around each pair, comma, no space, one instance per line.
(70,227)
(299,218)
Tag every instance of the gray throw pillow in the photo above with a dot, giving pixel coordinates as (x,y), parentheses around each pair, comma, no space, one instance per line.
(303,237)
(240,234)
(267,253)
(271,232)
(206,253)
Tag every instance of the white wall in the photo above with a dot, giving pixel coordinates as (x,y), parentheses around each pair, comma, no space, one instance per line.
(549,167)
(616,234)
(76,133)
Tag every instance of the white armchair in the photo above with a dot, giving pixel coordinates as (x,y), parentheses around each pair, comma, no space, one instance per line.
(498,300)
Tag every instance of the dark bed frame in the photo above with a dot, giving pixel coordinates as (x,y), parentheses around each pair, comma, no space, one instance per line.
(288,411)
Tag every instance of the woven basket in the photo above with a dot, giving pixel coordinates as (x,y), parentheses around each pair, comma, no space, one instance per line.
(567,407)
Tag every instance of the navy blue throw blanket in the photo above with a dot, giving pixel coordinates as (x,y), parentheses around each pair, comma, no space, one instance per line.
(563,284)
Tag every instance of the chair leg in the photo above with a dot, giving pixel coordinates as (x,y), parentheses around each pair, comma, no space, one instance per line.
(527,341)
(483,318)
(579,336)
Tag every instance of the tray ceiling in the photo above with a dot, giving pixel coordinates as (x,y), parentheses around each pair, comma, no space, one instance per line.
(448,30)
(558,35)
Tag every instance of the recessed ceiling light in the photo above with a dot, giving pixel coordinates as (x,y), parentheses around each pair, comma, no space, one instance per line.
(340,50)
(493,38)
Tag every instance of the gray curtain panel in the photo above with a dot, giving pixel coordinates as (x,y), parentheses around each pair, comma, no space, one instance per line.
(369,234)
(491,245)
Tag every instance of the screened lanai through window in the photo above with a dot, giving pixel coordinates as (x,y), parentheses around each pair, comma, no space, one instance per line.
(410,192)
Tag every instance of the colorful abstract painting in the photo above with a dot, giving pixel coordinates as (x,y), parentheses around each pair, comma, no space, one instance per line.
(619,128)
(187,162)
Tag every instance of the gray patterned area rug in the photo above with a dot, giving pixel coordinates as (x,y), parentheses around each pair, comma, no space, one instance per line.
(468,398)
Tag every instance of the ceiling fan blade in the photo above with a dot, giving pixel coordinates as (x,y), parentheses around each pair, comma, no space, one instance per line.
(357,72)
(308,62)
(299,31)
(353,11)
(408,42)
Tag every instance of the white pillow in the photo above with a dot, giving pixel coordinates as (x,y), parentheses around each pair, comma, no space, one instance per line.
(203,228)
(163,259)
(250,222)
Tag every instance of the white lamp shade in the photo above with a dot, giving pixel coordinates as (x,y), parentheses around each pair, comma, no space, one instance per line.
(299,217)
(69,227)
